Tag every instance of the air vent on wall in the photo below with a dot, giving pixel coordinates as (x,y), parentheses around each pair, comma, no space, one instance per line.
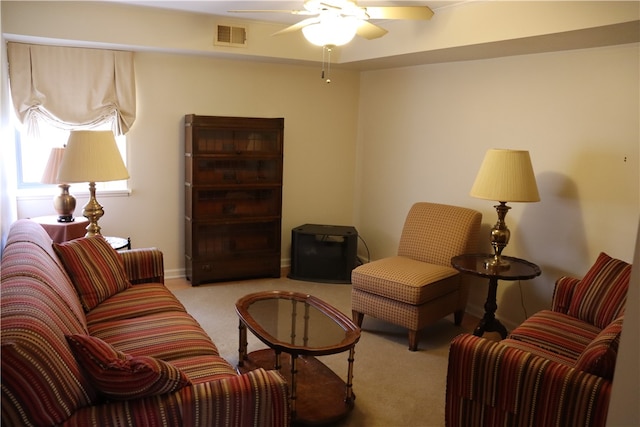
(227,35)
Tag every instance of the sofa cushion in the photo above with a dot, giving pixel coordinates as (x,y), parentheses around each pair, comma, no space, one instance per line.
(601,295)
(139,300)
(119,376)
(95,268)
(599,358)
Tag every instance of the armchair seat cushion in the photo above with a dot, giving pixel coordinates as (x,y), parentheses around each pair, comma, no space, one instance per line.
(405,280)
(556,333)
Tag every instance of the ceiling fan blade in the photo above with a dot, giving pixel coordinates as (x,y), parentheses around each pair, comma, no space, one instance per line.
(297,26)
(290,12)
(370,31)
(399,12)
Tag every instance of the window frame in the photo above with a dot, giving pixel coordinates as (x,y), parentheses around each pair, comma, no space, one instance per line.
(34,190)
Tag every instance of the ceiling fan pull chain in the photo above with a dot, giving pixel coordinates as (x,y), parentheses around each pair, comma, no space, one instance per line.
(328,62)
(322,74)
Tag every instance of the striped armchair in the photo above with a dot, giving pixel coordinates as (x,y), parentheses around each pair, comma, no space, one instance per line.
(556,369)
(418,286)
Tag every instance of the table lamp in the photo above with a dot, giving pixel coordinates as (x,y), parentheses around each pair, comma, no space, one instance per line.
(92,156)
(504,176)
(64,203)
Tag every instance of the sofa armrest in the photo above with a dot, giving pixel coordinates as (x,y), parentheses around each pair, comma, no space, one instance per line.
(563,293)
(258,398)
(489,383)
(143,265)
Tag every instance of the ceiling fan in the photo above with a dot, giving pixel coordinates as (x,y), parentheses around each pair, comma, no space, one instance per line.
(336,22)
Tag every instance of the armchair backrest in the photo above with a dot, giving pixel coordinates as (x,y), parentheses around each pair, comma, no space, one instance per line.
(434,233)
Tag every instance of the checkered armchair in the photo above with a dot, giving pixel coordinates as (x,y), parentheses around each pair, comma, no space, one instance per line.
(418,286)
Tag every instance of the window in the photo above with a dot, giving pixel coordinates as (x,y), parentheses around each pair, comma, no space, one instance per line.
(32,153)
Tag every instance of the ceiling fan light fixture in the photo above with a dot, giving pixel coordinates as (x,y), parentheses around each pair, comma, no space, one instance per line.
(331,31)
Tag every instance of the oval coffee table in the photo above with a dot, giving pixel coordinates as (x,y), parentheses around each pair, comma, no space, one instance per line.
(301,326)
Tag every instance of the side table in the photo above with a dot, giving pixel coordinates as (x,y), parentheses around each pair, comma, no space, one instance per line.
(63,231)
(118,243)
(474,264)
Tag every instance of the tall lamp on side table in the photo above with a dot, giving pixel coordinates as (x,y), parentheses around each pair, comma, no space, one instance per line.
(64,203)
(504,176)
(92,156)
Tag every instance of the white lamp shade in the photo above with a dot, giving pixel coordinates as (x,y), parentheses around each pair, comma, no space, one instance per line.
(92,156)
(331,31)
(50,174)
(506,176)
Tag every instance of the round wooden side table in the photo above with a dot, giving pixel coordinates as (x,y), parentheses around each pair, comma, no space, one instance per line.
(476,265)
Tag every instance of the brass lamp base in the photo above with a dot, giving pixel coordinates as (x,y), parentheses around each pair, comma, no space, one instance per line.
(93,212)
(500,235)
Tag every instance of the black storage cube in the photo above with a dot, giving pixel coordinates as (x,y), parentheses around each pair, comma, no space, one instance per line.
(323,253)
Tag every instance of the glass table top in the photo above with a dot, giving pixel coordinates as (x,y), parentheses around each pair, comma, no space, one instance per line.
(297,322)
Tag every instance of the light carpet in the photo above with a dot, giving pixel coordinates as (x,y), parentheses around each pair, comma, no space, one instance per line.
(393,386)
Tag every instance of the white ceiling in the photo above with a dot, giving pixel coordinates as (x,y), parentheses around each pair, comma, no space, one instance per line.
(460,30)
(222,8)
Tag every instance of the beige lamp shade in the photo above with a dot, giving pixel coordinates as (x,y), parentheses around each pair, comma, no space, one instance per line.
(50,174)
(92,156)
(506,176)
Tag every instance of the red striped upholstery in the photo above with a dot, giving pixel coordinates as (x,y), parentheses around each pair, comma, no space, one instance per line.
(555,369)
(95,268)
(143,299)
(556,332)
(39,306)
(255,399)
(119,376)
(44,385)
(599,357)
(491,384)
(601,294)
(143,265)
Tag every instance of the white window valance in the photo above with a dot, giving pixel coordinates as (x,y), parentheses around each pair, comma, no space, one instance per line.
(72,87)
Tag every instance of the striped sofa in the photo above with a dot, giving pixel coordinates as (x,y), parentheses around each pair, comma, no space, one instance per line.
(130,358)
(555,369)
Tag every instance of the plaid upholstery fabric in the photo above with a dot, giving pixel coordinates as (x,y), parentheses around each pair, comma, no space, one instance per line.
(419,285)
(95,268)
(414,317)
(489,383)
(435,233)
(601,294)
(405,280)
(120,376)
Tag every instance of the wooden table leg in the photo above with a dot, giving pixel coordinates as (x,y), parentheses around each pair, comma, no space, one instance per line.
(242,347)
(349,398)
(489,323)
(294,371)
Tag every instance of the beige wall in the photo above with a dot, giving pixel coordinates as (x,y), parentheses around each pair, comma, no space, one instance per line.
(319,148)
(424,131)
(418,133)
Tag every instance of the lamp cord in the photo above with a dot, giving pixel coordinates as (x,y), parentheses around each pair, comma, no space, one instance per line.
(524,309)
